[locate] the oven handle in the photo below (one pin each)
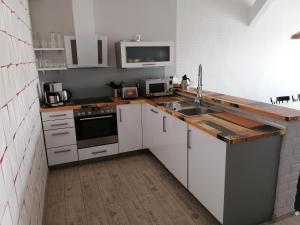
(95, 118)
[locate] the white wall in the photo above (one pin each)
(255, 62)
(154, 20)
(23, 167)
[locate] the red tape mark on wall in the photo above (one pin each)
(18, 39)
(18, 17)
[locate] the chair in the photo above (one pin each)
(282, 99)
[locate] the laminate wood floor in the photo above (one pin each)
(131, 190)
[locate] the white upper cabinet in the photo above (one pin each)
(129, 127)
(86, 51)
(144, 54)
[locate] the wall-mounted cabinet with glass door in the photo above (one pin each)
(144, 54)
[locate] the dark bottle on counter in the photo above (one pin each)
(185, 82)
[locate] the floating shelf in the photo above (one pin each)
(49, 49)
(52, 69)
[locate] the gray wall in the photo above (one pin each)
(92, 82)
(154, 20)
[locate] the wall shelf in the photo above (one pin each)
(49, 49)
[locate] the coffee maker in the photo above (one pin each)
(52, 92)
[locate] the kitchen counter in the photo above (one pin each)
(228, 127)
(71, 106)
(260, 108)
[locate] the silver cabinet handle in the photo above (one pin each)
(152, 110)
(149, 64)
(62, 151)
(189, 139)
(99, 152)
(62, 133)
(58, 115)
(59, 124)
(120, 114)
(164, 124)
(95, 118)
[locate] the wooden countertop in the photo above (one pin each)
(225, 126)
(70, 106)
(260, 108)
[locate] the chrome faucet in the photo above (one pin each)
(199, 87)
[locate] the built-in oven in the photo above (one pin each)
(96, 126)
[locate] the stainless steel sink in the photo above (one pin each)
(189, 107)
(180, 105)
(196, 111)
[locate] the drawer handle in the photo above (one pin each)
(58, 115)
(99, 152)
(62, 151)
(152, 110)
(62, 133)
(59, 124)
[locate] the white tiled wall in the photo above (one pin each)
(23, 167)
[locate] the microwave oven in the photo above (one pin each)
(156, 87)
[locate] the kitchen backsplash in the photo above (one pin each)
(92, 82)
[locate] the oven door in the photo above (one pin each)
(96, 130)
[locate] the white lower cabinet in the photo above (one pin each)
(60, 137)
(62, 155)
(129, 127)
(152, 129)
(96, 152)
(165, 136)
(59, 115)
(58, 124)
(206, 171)
(175, 147)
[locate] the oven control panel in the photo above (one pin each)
(94, 111)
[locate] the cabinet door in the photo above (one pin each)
(206, 173)
(60, 137)
(152, 123)
(146, 125)
(174, 148)
(145, 54)
(130, 127)
(86, 51)
(62, 155)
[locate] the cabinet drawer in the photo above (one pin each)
(58, 124)
(99, 151)
(62, 155)
(60, 115)
(60, 137)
